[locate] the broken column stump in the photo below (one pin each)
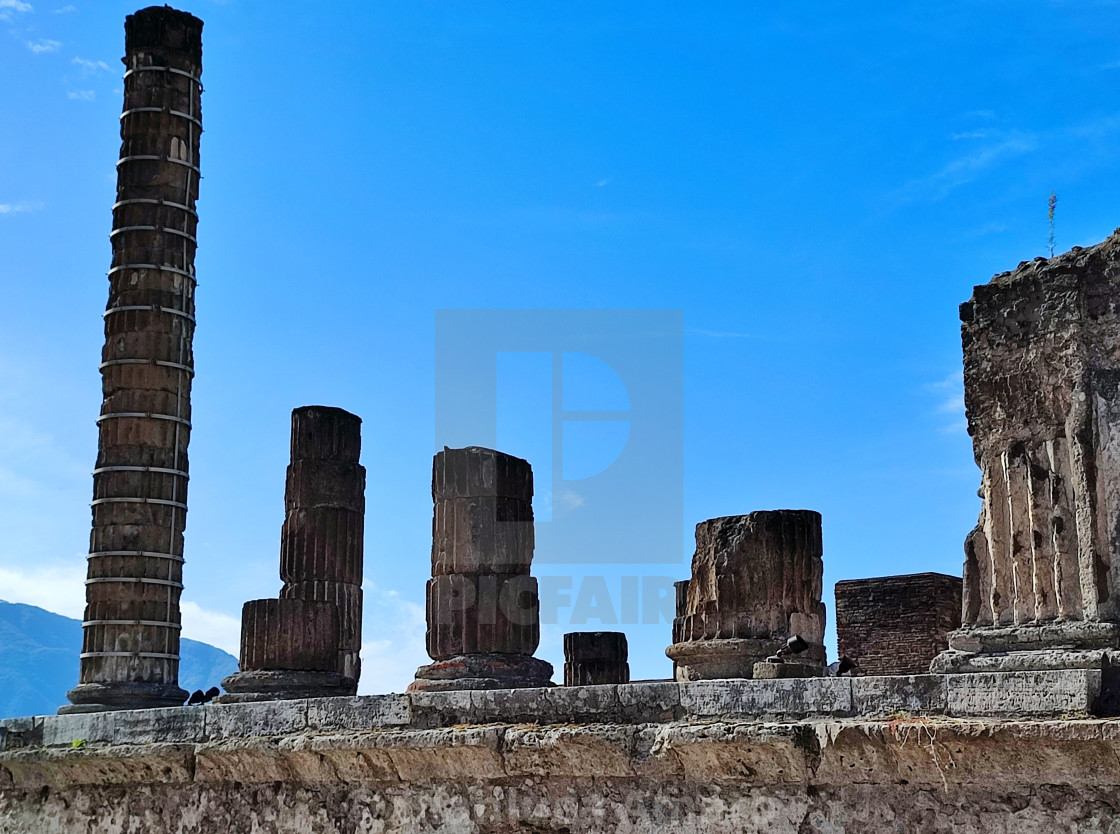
(308, 642)
(756, 580)
(595, 657)
(1042, 394)
(896, 625)
(482, 608)
(130, 642)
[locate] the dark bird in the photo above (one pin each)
(841, 667)
(196, 698)
(211, 693)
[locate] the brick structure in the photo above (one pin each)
(1042, 393)
(130, 648)
(756, 579)
(896, 625)
(308, 642)
(595, 657)
(482, 609)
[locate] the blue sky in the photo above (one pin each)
(815, 186)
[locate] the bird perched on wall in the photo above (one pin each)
(200, 697)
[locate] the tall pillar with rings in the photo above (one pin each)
(130, 647)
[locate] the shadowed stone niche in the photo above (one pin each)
(756, 580)
(595, 657)
(482, 608)
(1042, 393)
(896, 625)
(307, 643)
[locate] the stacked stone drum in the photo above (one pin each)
(482, 608)
(130, 648)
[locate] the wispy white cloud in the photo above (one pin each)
(65, 10)
(603, 182)
(211, 627)
(90, 67)
(965, 169)
(393, 641)
(81, 95)
(19, 208)
(975, 134)
(949, 394)
(721, 334)
(9, 8)
(43, 45)
(60, 588)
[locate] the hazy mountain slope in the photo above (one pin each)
(39, 660)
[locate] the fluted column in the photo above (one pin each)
(595, 657)
(756, 580)
(130, 649)
(308, 643)
(1042, 392)
(482, 607)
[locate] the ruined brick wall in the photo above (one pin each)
(896, 625)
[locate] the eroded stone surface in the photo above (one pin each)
(756, 579)
(1042, 393)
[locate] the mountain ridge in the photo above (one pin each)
(39, 660)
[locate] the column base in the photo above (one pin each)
(1031, 648)
(786, 669)
(109, 697)
(483, 671)
(284, 685)
(701, 660)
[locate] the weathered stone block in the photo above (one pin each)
(756, 580)
(249, 720)
(294, 634)
(370, 711)
(322, 432)
(790, 698)
(595, 657)
(482, 613)
(1056, 693)
(915, 694)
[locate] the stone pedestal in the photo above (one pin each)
(1042, 393)
(130, 643)
(595, 657)
(756, 580)
(766, 671)
(482, 606)
(307, 643)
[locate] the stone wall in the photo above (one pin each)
(896, 625)
(710, 756)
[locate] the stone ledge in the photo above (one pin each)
(921, 752)
(1028, 694)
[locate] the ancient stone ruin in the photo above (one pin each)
(1042, 393)
(595, 657)
(896, 625)
(308, 642)
(482, 608)
(1014, 729)
(756, 580)
(130, 647)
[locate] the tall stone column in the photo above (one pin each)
(756, 580)
(308, 642)
(1042, 394)
(482, 608)
(130, 649)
